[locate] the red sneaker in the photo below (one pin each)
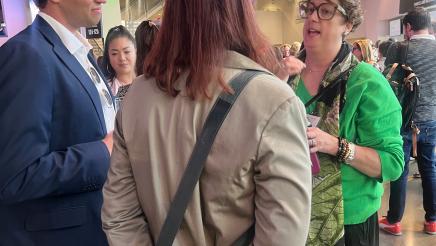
(394, 229)
(430, 227)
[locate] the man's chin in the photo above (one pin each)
(93, 22)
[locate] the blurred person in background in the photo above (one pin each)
(258, 171)
(145, 36)
(421, 57)
(119, 59)
(382, 53)
(278, 53)
(286, 50)
(295, 48)
(357, 139)
(364, 51)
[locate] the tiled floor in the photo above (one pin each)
(413, 218)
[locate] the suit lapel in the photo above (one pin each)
(72, 64)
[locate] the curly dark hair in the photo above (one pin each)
(354, 12)
(40, 3)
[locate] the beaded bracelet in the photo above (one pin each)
(344, 150)
(340, 147)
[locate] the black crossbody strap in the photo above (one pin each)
(198, 157)
(332, 85)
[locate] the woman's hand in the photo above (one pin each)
(320, 141)
(366, 160)
(293, 65)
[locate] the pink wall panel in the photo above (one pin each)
(16, 17)
(388, 9)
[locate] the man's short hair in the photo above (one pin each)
(40, 3)
(418, 19)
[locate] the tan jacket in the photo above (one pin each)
(258, 170)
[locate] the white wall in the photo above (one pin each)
(271, 25)
(16, 13)
(111, 16)
(291, 28)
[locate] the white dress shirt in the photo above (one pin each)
(79, 47)
(423, 36)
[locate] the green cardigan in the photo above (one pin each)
(371, 117)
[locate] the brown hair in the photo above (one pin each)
(145, 35)
(354, 12)
(194, 36)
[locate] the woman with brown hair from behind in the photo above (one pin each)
(258, 170)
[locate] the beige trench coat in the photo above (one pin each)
(258, 170)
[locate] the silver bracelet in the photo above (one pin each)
(352, 154)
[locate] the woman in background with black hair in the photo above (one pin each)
(145, 35)
(119, 59)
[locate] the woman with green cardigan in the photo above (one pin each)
(357, 139)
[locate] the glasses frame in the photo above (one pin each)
(338, 8)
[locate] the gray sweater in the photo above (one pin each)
(421, 57)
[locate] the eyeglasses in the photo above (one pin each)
(325, 11)
(104, 94)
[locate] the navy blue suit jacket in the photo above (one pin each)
(53, 163)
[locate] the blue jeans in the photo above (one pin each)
(427, 168)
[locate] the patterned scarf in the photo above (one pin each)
(327, 219)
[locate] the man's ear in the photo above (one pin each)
(408, 27)
(407, 30)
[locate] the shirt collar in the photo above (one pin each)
(72, 41)
(423, 36)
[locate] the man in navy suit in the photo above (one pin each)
(56, 121)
